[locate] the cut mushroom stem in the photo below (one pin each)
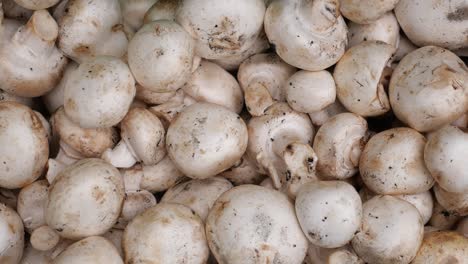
(66, 156)
(122, 156)
(257, 98)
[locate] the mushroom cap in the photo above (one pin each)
(161, 10)
(36, 4)
(161, 55)
(405, 46)
(135, 203)
(89, 142)
(44, 238)
(428, 88)
(392, 163)
(99, 93)
(12, 238)
(25, 149)
(385, 29)
(253, 224)
(85, 199)
(27, 101)
(310, 35)
(221, 28)
(391, 231)
(133, 11)
(310, 92)
(206, 139)
(91, 250)
(366, 11)
(212, 84)
(453, 202)
(53, 100)
(169, 233)
(162, 176)
(433, 22)
(445, 156)
(338, 144)
(329, 212)
(198, 195)
(31, 204)
(151, 97)
(243, 172)
(143, 131)
(422, 201)
(442, 218)
(360, 76)
(442, 247)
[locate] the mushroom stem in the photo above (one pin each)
(319, 14)
(39, 34)
(257, 98)
(132, 178)
(121, 156)
(66, 156)
(167, 111)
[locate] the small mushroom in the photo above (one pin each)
(91, 28)
(329, 212)
(385, 29)
(442, 247)
(428, 88)
(362, 76)
(206, 139)
(338, 144)
(221, 29)
(36, 4)
(152, 98)
(442, 218)
(161, 10)
(198, 195)
(434, 22)
(91, 250)
(445, 156)
(341, 255)
(85, 199)
(31, 64)
(311, 35)
(262, 78)
(405, 46)
(54, 99)
(142, 140)
(453, 202)
(133, 11)
(392, 163)
(99, 93)
(135, 203)
(31, 204)
(12, 238)
(391, 231)
(319, 118)
(24, 147)
(168, 233)
(161, 56)
(115, 237)
(366, 11)
(243, 171)
(253, 224)
(44, 238)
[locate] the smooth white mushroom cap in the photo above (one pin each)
(99, 93)
(422, 201)
(25, 149)
(31, 204)
(442, 247)
(44, 238)
(385, 29)
(133, 11)
(36, 4)
(366, 11)
(54, 99)
(456, 203)
(161, 10)
(91, 250)
(12, 238)
(206, 139)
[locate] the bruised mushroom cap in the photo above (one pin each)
(366, 11)
(385, 29)
(99, 93)
(338, 144)
(221, 28)
(161, 55)
(428, 88)
(198, 195)
(53, 100)
(433, 22)
(91, 250)
(310, 92)
(161, 10)
(262, 78)
(391, 231)
(360, 78)
(92, 28)
(442, 247)
(12, 238)
(329, 212)
(169, 233)
(36, 4)
(392, 163)
(254, 224)
(24, 147)
(89, 142)
(212, 84)
(310, 35)
(445, 154)
(31, 204)
(453, 202)
(85, 199)
(133, 11)
(206, 139)
(31, 65)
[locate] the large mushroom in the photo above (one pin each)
(12, 238)
(366, 11)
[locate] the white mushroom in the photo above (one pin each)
(442, 218)
(405, 46)
(135, 203)
(206, 139)
(99, 93)
(442, 247)
(115, 237)
(25, 149)
(366, 11)
(44, 238)
(168, 233)
(453, 202)
(161, 10)
(133, 11)
(66, 156)
(36, 4)
(12, 238)
(243, 171)
(91, 250)
(92, 28)
(310, 35)
(422, 201)
(385, 29)
(54, 99)
(362, 76)
(221, 28)
(319, 118)
(428, 88)
(169, 110)
(329, 212)
(31, 204)
(253, 224)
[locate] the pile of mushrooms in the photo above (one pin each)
(233, 132)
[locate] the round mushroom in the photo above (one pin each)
(366, 11)
(133, 11)
(44, 238)
(12, 238)
(442, 247)
(31, 204)
(385, 29)
(443, 219)
(456, 203)
(91, 250)
(53, 100)
(36, 4)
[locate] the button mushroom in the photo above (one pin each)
(12, 238)
(366, 11)
(36, 4)
(91, 250)
(44, 238)
(243, 172)
(385, 29)
(442, 247)
(310, 35)
(456, 203)
(31, 204)
(133, 11)
(54, 99)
